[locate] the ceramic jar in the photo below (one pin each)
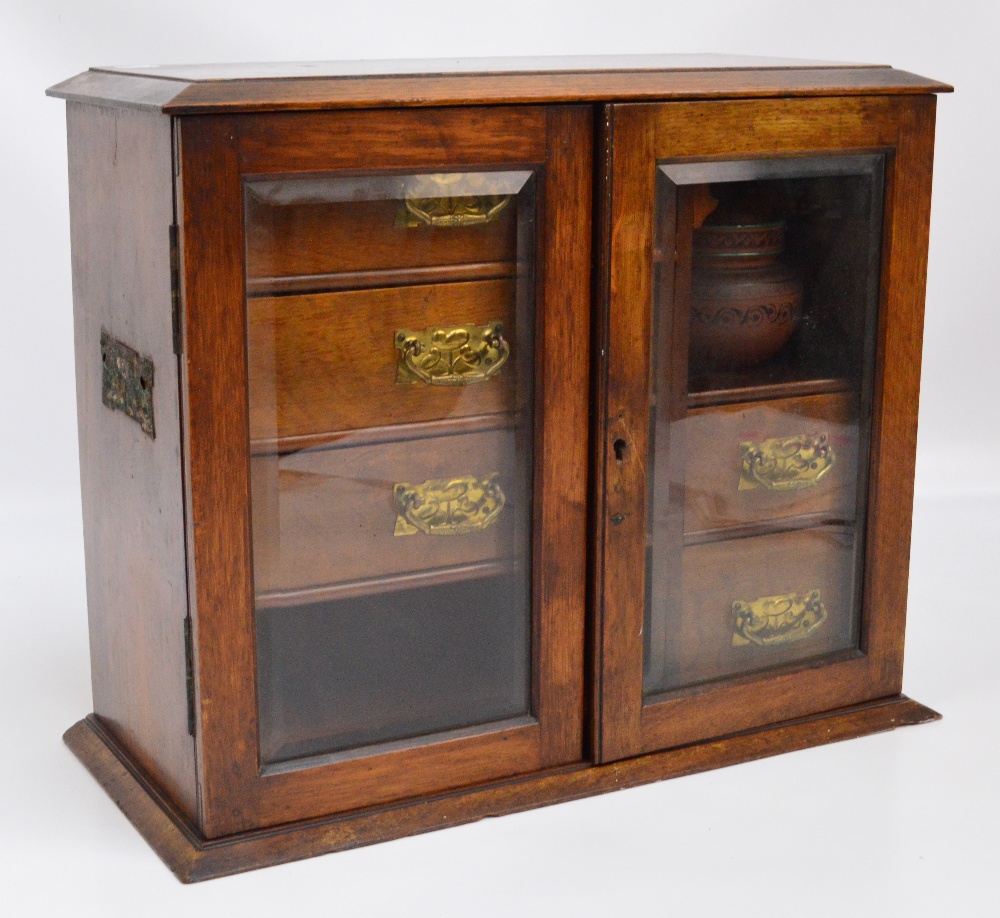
(745, 303)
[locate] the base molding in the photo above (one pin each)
(193, 858)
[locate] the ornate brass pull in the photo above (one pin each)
(777, 619)
(448, 506)
(785, 463)
(426, 207)
(451, 356)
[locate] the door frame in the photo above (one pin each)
(216, 152)
(637, 137)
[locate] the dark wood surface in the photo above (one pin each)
(327, 362)
(121, 208)
(719, 130)
(391, 583)
(712, 438)
(600, 329)
(624, 446)
(897, 390)
(327, 516)
(350, 237)
(562, 454)
(216, 462)
(792, 388)
(215, 154)
(192, 857)
(382, 84)
(714, 575)
(589, 553)
(434, 140)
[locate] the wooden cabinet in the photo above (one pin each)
(456, 443)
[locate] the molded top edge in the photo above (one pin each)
(416, 67)
(197, 88)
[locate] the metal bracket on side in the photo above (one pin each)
(127, 382)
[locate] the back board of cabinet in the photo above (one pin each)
(462, 439)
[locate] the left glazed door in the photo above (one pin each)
(385, 360)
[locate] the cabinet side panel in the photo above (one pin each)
(121, 208)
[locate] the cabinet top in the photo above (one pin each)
(200, 88)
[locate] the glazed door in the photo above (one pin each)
(765, 263)
(388, 488)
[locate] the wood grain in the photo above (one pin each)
(624, 446)
(324, 363)
(342, 237)
(217, 463)
(429, 140)
(351, 589)
(121, 208)
(549, 89)
(511, 81)
(894, 414)
(744, 127)
(382, 277)
(712, 438)
(780, 127)
(216, 155)
(700, 629)
(562, 363)
(193, 858)
(174, 513)
(327, 516)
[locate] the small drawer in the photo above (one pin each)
(321, 363)
(759, 461)
(754, 603)
(342, 515)
(289, 238)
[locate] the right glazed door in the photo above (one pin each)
(761, 369)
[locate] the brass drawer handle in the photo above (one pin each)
(777, 619)
(426, 207)
(455, 356)
(785, 463)
(448, 506)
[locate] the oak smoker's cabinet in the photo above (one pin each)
(454, 443)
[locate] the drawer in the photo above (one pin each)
(334, 516)
(754, 603)
(759, 461)
(329, 362)
(314, 238)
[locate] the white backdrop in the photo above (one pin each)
(900, 824)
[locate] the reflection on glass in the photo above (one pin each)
(762, 347)
(389, 345)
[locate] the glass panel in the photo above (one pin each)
(389, 344)
(766, 290)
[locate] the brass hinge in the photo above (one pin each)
(189, 672)
(175, 287)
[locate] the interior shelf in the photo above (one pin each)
(408, 581)
(740, 390)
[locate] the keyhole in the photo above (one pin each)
(620, 446)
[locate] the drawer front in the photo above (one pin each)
(334, 516)
(309, 238)
(751, 604)
(330, 362)
(760, 461)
